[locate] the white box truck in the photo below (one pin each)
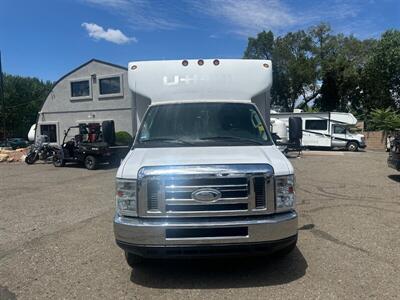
(322, 129)
(203, 176)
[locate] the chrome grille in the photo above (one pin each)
(243, 190)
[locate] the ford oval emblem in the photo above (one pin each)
(206, 195)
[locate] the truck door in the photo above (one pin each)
(339, 136)
(316, 133)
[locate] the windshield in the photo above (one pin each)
(202, 124)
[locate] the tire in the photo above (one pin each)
(115, 161)
(108, 130)
(285, 251)
(90, 162)
(133, 260)
(58, 161)
(352, 146)
(31, 158)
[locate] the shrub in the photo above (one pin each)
(123, 138)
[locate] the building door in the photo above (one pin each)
(339, 136)
(50, 130)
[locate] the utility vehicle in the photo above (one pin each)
(91, 145)
(203, 176)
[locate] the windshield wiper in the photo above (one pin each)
(232, 138)
(167, 140)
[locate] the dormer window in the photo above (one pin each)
(81, 89)
(110, 86)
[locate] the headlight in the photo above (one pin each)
(285, 199)
(125, 196)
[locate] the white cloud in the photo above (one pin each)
(111, 35)
(142, 14)
(247, 17)
(240, 17)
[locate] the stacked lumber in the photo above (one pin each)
(9, 155)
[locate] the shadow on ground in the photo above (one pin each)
(220, 273)
(394, 177)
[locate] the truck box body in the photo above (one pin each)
(203, 172)
(155, 82)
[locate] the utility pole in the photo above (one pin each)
(3, 101)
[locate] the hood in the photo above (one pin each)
(355, 135)
(141, 157)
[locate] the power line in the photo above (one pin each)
(24, 103)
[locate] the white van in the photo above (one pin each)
(203, 176)
(322, 129)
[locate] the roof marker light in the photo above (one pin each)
(134, 67)
(216, 62)
(266, 66)
(200, 62)
(185, 63)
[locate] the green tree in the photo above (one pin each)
(341, 74)
(293, 66)
(24, 97)
(381, 76)
(384, 119)
(260, 47)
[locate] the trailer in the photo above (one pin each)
(321, 130)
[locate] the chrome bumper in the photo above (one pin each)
(153, 232)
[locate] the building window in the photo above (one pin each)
(317, 124)
(50, 131)
(81, 89)
(110, 86)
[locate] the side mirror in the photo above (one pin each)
(295, 130)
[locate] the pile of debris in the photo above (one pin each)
(9, 155)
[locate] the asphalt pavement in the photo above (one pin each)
(56, 239)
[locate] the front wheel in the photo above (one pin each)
(90, 162)
(58, 161)
(352, 146)
(133, 259)
(31, 158)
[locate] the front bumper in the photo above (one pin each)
(139, 234)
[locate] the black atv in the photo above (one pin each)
(94, 144)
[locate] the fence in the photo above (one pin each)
(375, 140)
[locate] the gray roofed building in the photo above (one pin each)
(91, 93)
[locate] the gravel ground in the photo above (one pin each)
(56, 239)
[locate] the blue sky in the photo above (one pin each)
(48, 38)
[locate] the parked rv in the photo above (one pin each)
(204, 176)
(322, 130)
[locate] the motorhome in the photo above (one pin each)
(322, 129)
(203, 176)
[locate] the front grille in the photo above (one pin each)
(175, 194)
(259, 190)
(152, 194)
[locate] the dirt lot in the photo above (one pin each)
(56, 239)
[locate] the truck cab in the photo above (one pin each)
(203, 176)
